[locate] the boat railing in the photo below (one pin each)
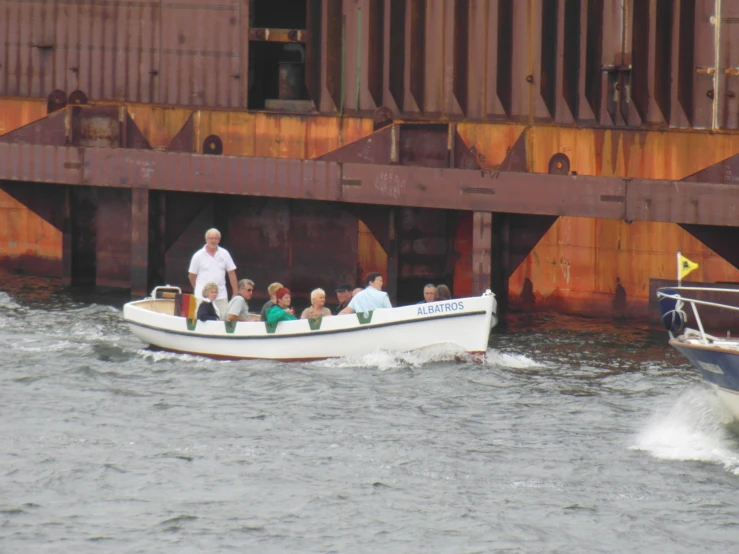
(165, 291)
(673, 316)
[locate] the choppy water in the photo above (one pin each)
(574, 436)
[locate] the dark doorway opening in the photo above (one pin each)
(277, 56)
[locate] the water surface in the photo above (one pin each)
(575, 435)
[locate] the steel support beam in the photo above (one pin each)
(390, 185)
(392, 257)
(139, 242)
(500, 261)
(482, 239)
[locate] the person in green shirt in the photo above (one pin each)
(281, 311)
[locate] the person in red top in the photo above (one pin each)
(281, 311)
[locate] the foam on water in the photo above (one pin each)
(162, 356)
(495, 358)
(691, 428)
(7, 302)
(386, 360)
(46, 346)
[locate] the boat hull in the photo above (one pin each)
(718, 367)
(465, 323)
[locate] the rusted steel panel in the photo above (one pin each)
(113, 238)
(395, 17)
(521, 62)
(43, 164)
(650, 71)
(546, 68)
(15, 113)
(417, 52)
(313, 265)
(665, 16)
(323, 54)
(51, 130)
(482, 243)
(728, 64)
(375, 47)
(486, 191)
(595, 83)
(569, 41)
(504, 54)
(704, 61)
(459, 54)
(685, 63)
(480, 65)
(423, 145)
(138, 240)
(201, 48)
(363, 55)
(437, 34)
(726, 172)
(642, 79)
(492, 43)
(31, 221)
(615, 62)
(370, 254)
(534, 193)
(188, 53)
(715, 204)
(184, 140)
(375, 149)
(516, 159)
(213, 174)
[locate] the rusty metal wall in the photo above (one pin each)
(189, 52)
(31, 240)
(663, 63)
(604, 62)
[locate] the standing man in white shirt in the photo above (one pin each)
(210, 265)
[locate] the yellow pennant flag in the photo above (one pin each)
(685, 265)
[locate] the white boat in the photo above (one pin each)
(716, 358)
(464, 322)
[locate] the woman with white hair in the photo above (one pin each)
(208, 310)
(317, 306)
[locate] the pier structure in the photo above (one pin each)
(558, 151)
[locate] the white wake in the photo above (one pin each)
(694, 427)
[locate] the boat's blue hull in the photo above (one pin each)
(717, 366)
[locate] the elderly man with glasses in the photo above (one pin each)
(238, 309)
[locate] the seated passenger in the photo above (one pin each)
(371, 298)
(208, 311)
(343, 294)
(443, 293)
(271, 290)
(238, 309)
(281, 311)
(317, 307)
(429, 294)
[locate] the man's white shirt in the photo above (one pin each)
(211, 269)
(370, 299)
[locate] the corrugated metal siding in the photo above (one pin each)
(186, 52)
(606, 62)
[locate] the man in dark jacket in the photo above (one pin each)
(344, 295)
